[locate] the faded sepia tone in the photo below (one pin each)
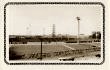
(55, 32)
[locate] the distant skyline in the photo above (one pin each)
(39, 19)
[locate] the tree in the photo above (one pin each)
(96, 35)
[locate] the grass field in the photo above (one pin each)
(27, 49)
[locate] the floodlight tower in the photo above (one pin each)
(78, 37)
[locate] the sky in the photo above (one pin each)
(39, 19)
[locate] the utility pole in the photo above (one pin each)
(28, 29)
(53, 31)
(78, 37)
(41, 50)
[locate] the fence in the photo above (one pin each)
(61, 53)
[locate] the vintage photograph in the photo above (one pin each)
(54, 32)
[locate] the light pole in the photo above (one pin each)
(78, 37)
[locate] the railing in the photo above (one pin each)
(61, 53)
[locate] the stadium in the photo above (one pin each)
(44, 32)
(55, 47)
(64, 48)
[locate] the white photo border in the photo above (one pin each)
(43, 63)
